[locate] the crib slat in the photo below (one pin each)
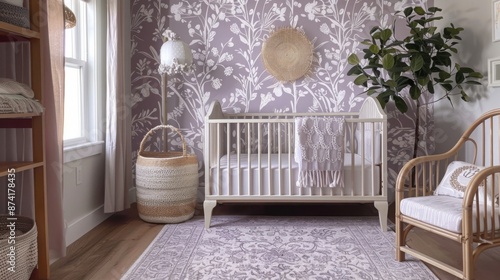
(249, 161)
(219, 174)
(228, 155)
(238, 159)
(372, 150)
(279, 161)
(290, 178)
(269, 150)
(363, 152)
(259, 158)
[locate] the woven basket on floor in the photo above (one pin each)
(166, 183)
(25, 256)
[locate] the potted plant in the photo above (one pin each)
(412, 66)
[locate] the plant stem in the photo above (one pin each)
(417, 126)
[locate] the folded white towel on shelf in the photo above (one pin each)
(319, 151)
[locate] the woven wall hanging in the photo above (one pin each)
(287, 54)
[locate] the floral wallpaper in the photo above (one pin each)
(226, 38)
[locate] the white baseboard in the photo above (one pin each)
(86, 223)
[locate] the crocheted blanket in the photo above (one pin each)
(319, 151)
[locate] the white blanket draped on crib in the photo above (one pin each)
(319, 151)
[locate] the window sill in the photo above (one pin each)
(82, 151)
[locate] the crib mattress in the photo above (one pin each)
(441, 211)
(276, 174)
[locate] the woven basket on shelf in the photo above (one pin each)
(166, 183)
(26, 249)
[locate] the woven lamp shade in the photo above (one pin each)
(287, 54)
(69, 18)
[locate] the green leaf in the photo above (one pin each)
(443, 75)
(447, 86)
(355, 70)
(400, 104)
(434, 19)
(408, 11)
(382, 100)
(391, 83)
(388, 61)
(442, 58)
(423, 81)
(360, 80)
(416, 63)
(353, 59)
(474, 83)
(385, 34)
(403, 82)
(459, 77)
(367, 42)
(415, 92)
(372, 90)
(475, 75)
(430, 87)
(374, 49)
(413, 46)
(466, 70)
(385, 97)
(464, 96)
(420, 11)
(434, 9)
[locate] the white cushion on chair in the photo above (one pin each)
(441, 211)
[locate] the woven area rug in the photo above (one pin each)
(268, 247)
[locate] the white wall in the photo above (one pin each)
(474, 51)
(83, 200)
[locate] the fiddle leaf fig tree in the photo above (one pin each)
(415, 65)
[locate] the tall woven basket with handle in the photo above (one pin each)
(166, 182)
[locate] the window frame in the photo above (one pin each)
(92, 63)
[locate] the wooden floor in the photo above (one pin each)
(106, 252)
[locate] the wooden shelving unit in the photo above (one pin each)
(9, 32)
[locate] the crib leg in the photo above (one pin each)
(382, 207)
(208, 206)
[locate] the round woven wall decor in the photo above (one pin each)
(287, 54)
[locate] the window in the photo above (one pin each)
(84, 78)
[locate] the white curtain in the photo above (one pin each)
(52, 49)
(118, 108)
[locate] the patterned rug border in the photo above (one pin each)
(221, 221)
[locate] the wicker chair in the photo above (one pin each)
(472, 220)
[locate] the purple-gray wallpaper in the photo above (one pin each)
(226, 38)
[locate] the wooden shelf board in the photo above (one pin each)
(10, 29)
(18, 166)
(18, 116)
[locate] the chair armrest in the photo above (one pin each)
(492, 176)
(480, 210)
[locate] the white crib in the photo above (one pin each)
(249, 158)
